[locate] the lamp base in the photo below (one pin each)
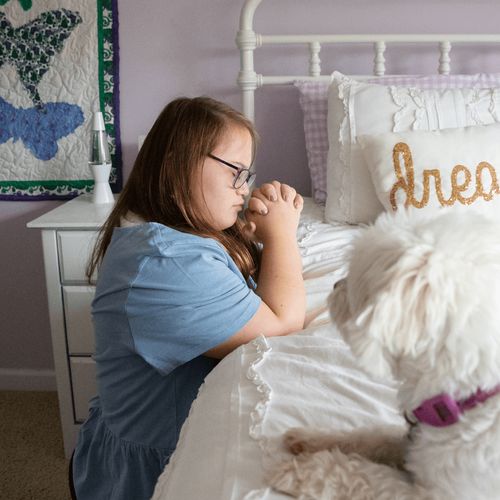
(102, 190)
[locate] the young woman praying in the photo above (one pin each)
(182, 281)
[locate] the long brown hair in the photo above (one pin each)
(159, 186)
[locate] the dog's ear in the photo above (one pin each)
(406, 316)
(355, 330)
(369, 347)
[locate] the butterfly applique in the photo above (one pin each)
(31, 47)
(39, 129)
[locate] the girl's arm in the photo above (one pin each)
(280, 286)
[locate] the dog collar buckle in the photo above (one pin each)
(443, 410)
(439, 411)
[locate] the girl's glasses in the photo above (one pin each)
(243, 174)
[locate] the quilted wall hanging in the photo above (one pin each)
(58, 64)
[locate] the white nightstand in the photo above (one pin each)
(68, 235)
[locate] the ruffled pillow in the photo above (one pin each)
(356, 108)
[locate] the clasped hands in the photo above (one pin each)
(273, 210)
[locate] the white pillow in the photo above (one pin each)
(356, 108)
(427, 171)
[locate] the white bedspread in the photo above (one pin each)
(255, 394)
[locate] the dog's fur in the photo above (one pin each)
(420, 304)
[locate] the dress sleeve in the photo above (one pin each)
(186, 301)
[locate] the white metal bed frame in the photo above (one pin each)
(248, 41)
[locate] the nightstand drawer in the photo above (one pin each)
(83, 378)
(79, 327)
(75, 248)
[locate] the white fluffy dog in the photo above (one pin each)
(420, 304)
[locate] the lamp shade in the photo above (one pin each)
(100, 161)
(99, 148)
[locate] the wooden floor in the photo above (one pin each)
(32, 463)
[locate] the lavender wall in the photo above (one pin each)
(186, 47)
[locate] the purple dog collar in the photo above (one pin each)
(443, 410)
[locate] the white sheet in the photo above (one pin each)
(255, 394)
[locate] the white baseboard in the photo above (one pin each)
(27, 380)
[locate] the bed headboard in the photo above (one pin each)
(248, 41)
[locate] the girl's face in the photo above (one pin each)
(213, 192)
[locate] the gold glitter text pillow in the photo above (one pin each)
(429, 170)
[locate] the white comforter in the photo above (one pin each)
(255, 394)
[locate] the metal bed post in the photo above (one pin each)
(247, 41)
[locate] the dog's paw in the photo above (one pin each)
(299, 441)
(296, 441)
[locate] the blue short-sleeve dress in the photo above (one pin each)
(163, 298)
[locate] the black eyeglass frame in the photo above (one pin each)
(250, 176)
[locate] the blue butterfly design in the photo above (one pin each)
(39, 129)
